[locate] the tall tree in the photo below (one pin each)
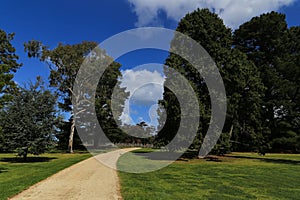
(64, 62)
(29, 120)
(286, 134)
(244, 91)
(274, 49)
(240, 76)
(108, 86)
(207, 29)
(8, 66)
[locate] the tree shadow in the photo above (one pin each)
(270, 160)
(28, 160)
(167, 155)
(190, 154)
(3, 169)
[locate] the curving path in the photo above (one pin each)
(87, 180)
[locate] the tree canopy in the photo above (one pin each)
(260, 69)
(29, 120)
(259, 63)
(64, 62)
(8, 65)
(274, 48)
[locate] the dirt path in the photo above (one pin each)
(87, 180)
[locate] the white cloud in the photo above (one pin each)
(145, 88)
(233, 12)
(147, 94)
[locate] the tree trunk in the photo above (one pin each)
(25, 153)
(70, 145)
(230, 131)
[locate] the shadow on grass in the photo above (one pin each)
(152, 155)
(28, 160)
(66, 152)
(190, 154)
(270, 160)
(2, 169)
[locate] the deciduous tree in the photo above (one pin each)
(64, 62)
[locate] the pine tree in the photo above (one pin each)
(8, 66)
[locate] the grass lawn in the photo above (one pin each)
(237, 176)
(16, 176)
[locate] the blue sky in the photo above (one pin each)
(73, 21)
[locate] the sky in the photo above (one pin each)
(73, 21)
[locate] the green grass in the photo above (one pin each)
(238, 176)
(16, 175)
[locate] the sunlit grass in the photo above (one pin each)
(238, 176)
(16, 175)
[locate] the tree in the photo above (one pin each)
(286, 135)
(207, 29)
(274, 49)
(2, 145)
(29, 120)
(244, 91)
(110, 95)
(241, 79)
(64, 62)
(8, 66)
(168, 126)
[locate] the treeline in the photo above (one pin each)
(32, 116)
(259, 63)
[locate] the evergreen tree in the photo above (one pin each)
(29, 120)
(241, 79)
(274, 49)
(8, 66)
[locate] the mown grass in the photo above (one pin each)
(16, 175)
(237, 176)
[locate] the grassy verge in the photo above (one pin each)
(238, 176)
(16, 175)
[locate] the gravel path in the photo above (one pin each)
(87, 180)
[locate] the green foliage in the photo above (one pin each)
(28, 120)
(2, 146)
(110, 85)
(244, 88)
(140, 133)
(8, 66)
(286, 144)
(169, 127)
(64, 62)
(259, 64)
(223, 145)
(63, 134)
(275, 50)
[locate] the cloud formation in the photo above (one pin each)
(145, 89)
(233, 12)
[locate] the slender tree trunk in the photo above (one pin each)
(70, 145)
(230, 131)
